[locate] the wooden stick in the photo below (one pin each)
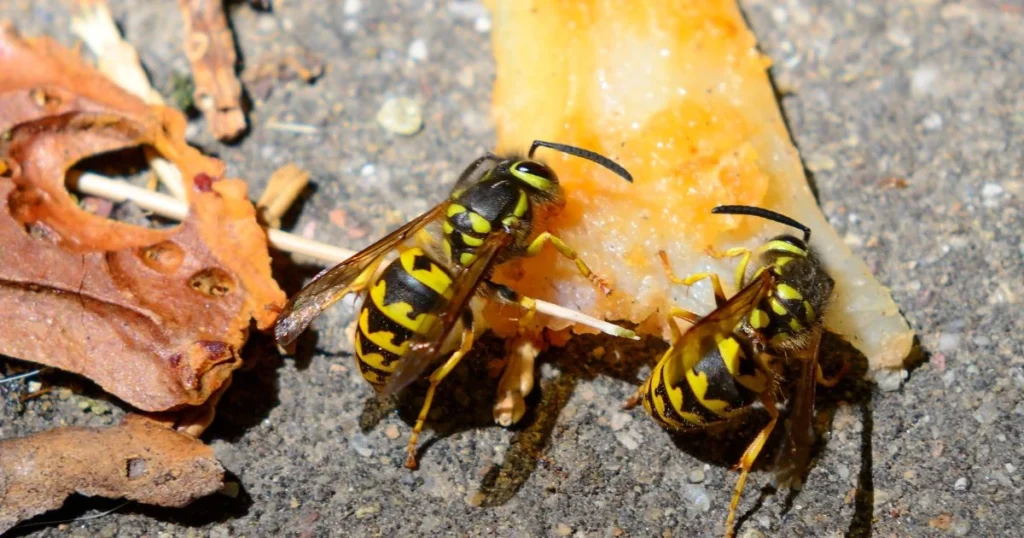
(118, 60)
(167, 207)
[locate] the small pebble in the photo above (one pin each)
(294, 503)
(352, 7)
(401, 115)
(962, 484)
(359, 443)
(922, 79)
(476, 498)
(627, 440)
(619, 420)
(987, 413)
(961, 527)
(563, 530)
(391, 431)
(696, 476)
(752, 533)
(697, 495)
(932, 121)
(418, 50)
(34, 386)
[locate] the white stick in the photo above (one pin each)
(118, 60)
(167, 207)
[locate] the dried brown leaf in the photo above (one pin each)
(155, 317)
(138, 460)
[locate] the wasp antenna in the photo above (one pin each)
(586, 154)
(764, 214)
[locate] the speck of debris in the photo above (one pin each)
(418, 50)
(401, 115)
(391, 431)
(820, 163)
(476, 498)
(962, 484)
(367, 510)
(696, 476)
(563, 530)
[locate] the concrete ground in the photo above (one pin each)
(910, 116)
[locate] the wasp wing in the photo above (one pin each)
(424, 347)
(722, 320)
(792, 459)
(332, 284)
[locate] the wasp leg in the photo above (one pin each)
(748, 459)
(834, 380)
(716, 283)
(506, 295)
(741, 268)
(568, 252)
(435, 379)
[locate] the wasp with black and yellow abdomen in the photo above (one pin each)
(734, 357)
(416, 301)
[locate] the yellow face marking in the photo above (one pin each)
(758, 318)
(808, 311)
(455, 209)
(782, 261)
(795, 325)
(383, 339)
(777, 306)
(479, 224)
(731, 355)
(511, 222)
(522, 205)
(536, 182)
(699, 384)
(471, 241)
(397, 312)
(466, 258)
(785, 291)
(447, 227)
(784, 247)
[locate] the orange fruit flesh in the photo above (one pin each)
(677, 92)
(641, 83)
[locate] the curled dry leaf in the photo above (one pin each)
(136, 460)
(678, 93)
(210, 48)
(155, 317)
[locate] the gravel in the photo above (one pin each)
(927, 92)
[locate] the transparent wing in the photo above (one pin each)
(795, 454)
(333, 284)
(425, 347)
(722, 320)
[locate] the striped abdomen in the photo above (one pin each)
(403, 301)
(725, 379)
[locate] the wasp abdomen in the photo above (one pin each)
(401, 302)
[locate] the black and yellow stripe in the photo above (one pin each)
(403, 301)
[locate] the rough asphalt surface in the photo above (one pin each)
(911, 119)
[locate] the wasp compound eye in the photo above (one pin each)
(536, 174)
